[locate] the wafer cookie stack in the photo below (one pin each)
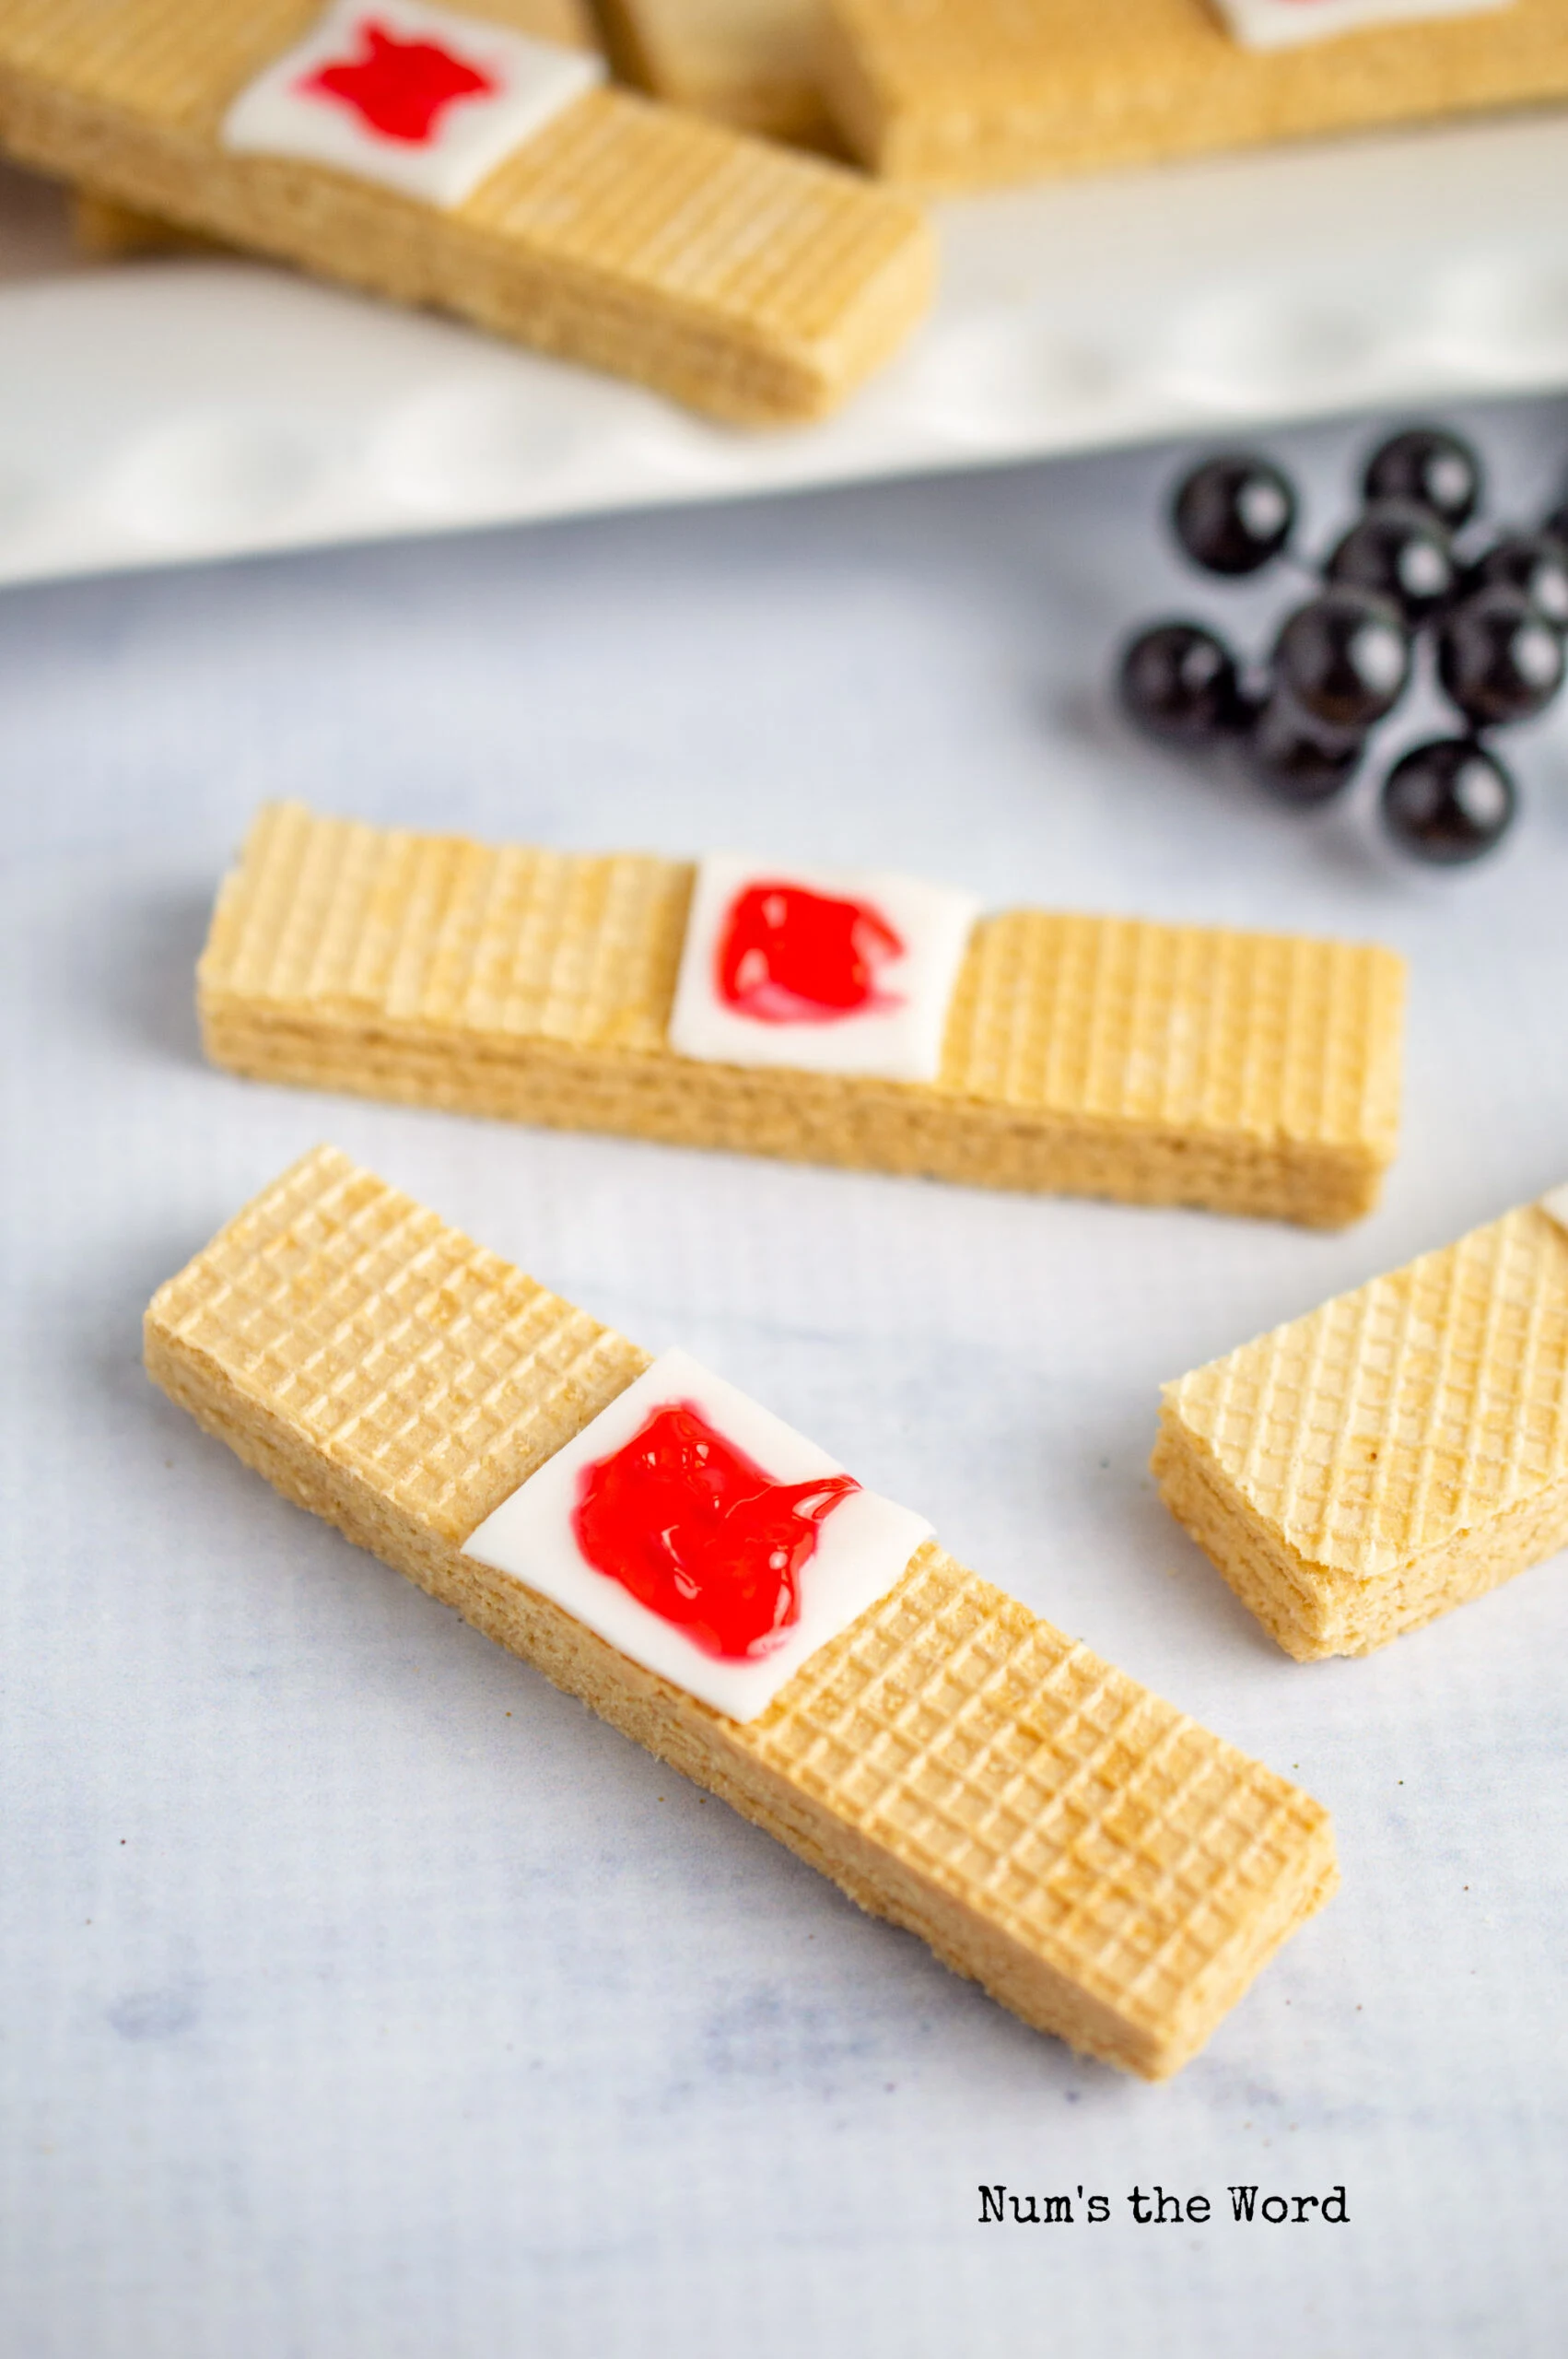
(755, 284)
(1363, 1469)
(1105, 1868)
(750, 63)
(957, 94)
(1101, 1056)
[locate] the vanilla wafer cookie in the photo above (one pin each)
(750, 63)
(1363, 1469)
(1100, 1056)
(754, 283)
(1105, 1868)
(968, 93)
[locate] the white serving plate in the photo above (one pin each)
(158, 411)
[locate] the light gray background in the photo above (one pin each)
(363, 1995)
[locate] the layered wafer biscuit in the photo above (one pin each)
(1105, 1868)
(969, 93)
(750, 63)
(1405, 1448)
(754, 283)
(1109, 1057)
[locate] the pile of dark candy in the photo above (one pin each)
(1493, 613)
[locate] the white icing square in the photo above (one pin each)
(904, 940)
(1285, 24)
(863, 1542)
(419, 98)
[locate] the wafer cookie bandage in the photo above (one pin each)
(1108, 1870)
(1360, 1471)
(963, 93)
(1103, 1056)
(458, 158)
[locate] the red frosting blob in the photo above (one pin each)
(399, 87)
(699, 1534)
(788, 956)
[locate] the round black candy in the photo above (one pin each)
(1295, 757)
(1447, 801)
(1429, 465)
(1398, 550)
(1497, 657)
(1234, 514)
(1178, 681)
(1344, 658)
(1536, 563)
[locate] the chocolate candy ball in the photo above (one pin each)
(1449, 801)
(1294, 757)
(1428, 464)
(1177, 681)
(1399, 551)
(1498, 659)
(1536, 563)
(1234, 514)
(1344, 658)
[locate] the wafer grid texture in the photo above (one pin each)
(748, 281)
(1105, 1867)
(1164, 1065)
(962, 93)
(750, 63)
(1363, 1469)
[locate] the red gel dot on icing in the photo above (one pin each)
(788, 956)
(399, 87)
(699, 1534)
